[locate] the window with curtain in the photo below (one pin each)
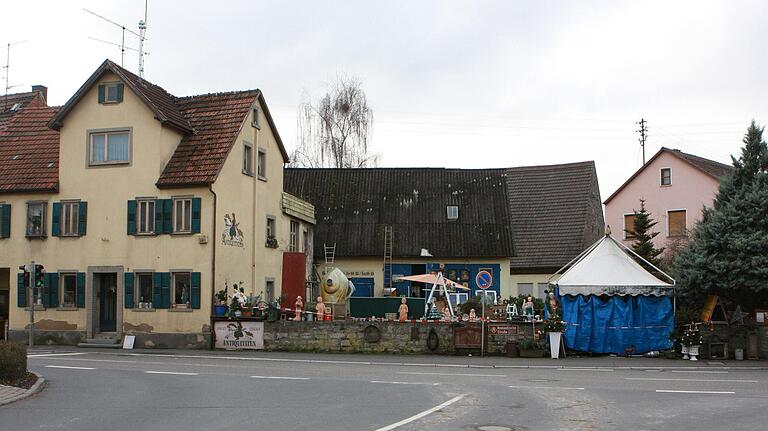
(111, 147)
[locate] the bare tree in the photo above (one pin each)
(334, 131)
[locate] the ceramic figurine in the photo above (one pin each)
(447, 314)
(553, 303)
(299, 307)
(403, 310)
(528, 307)
(320, 307)
(472, 315)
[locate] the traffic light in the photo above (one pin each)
(26, 274)
(39, 276)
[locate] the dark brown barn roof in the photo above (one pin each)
(555, 213)
(712, 168)
(540, 216)
(29, 152)
(13, 103)
(353, 205)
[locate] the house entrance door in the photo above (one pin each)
(107, 302)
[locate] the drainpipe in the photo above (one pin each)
(213, 265)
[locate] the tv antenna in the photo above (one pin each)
(7, 68)
(141, 35)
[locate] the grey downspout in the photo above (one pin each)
(213, 266)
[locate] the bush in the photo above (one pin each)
(13, 360)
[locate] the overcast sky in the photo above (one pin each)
(462, 84)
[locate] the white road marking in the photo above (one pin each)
(605, 370)
(690, 380)
(280, 378)
(669, 391)
(546, 387)
(69, 368)
(405, 383)
(422, 414)
(48, 355)
(453, 374)
(700, 372)
(171, 373)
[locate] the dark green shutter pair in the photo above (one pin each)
(51, 290)
(163, 216)
(103, 93)
(21, 292)
(5, 220)
(82, 219)
(161, 290)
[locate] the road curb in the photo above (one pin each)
(35, 389)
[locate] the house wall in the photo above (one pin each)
(691, 189)
(374, 267)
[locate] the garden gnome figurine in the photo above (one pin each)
(472, 315)
(528, 307)
(320, 307)
(403, 310)
(299, 307)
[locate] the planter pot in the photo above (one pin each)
(238, 313)
(273, 314)
(247, 313)
(738, 354)
(554, 344)
(531, 353)
(220, 310)
(684, 351)
(693, 351)
(310, 317)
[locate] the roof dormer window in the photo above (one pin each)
(453, 212)
(111, 92)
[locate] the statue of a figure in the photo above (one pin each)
(320, 307)
(299, 307)
(403, 310)
(472, 315)
(447, 314)
(552, 304)
(528, 307)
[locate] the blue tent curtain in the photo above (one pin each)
(613, 324)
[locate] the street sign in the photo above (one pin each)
(484, 279)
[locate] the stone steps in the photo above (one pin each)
(103, 343)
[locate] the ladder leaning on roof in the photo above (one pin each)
(330, 256)
(389, 239)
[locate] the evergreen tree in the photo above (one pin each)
(643, 236)
(728, 254)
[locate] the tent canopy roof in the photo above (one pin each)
(607, 268)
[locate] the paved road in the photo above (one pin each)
(136, 391)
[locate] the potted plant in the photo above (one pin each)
(234, 307)
(310, 308)
(220, 309)
(692, 339)
(273, 311)
(247, 309)
(554, 328)
(530, 348)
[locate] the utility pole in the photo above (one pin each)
(643, 130)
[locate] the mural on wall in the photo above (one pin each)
(336, 287)
(232, 235)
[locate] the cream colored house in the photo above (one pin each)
(141, 205)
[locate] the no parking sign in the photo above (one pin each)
(484, 279)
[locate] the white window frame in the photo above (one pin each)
(271, 227)
(452, 212)
(44, 221)
(520, 292)
(145, 215)
(107, 133)
(137, 288)
(255, 119)
(293, 236)
(186, 208)
(686, 221)
(261, 164)
(661, 176)
(624, 224)
(247, 158)
(107, 87)
(479, 292)
(70, 217)
(188, 304)
(269, 289)
(62, 293)
(458, 298)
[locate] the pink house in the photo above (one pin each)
(675, 186)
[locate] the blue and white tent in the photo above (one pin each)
(610, 303)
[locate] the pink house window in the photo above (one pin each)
(666, 176)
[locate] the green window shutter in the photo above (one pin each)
(120, 92)
(21, 295)
(165, 289)
(82, 215)
(195, 294)
(56, 219)
(157, 297)
(5, 217)
(46, 291)
(80, 290)
(102, 89)
(52, 285)
(196, 206)
(158, 216)
(131, 217)
(128, 284)
(167, 215)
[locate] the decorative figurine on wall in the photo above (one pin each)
(552, 304)
(447, 314)
(299, 307)
(528, 307)
(403, 310)
(320, 308)
(472, 315)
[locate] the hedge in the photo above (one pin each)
(13, 360)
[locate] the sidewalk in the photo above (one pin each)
(9, 394)
(431, 360)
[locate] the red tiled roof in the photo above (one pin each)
(29, 152)
(17, 101)
(216, 119)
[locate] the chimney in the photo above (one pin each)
(42, 89)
